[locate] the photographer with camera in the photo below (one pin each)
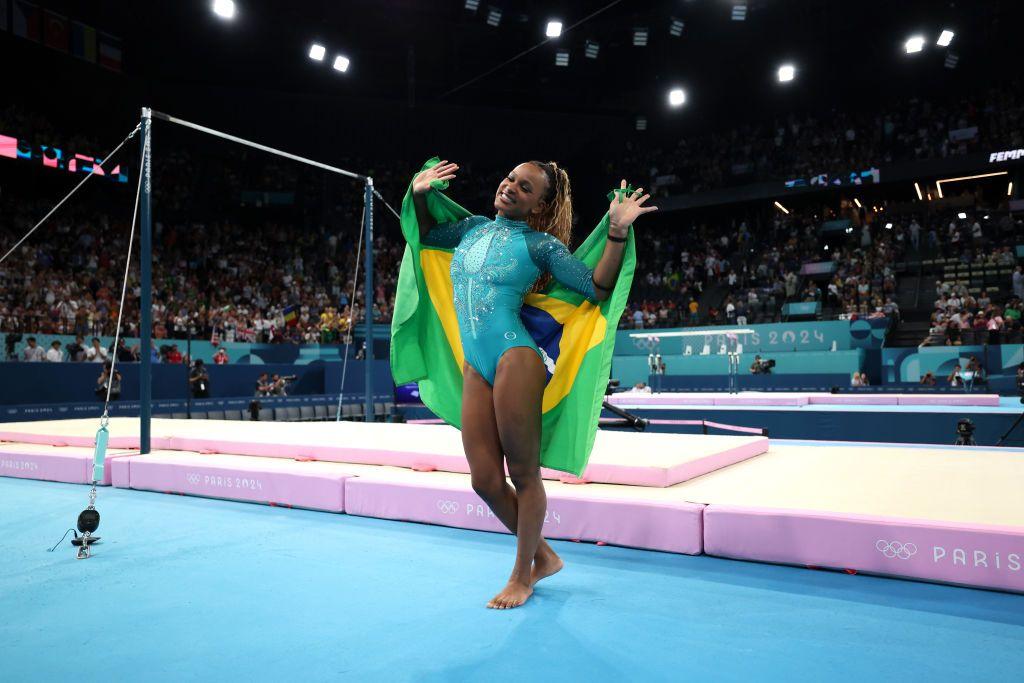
(104, 379)
(263, 385)
(199, 380)
(279, 384)
(761, 366)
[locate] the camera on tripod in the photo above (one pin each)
(965, 432)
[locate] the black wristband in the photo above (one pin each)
(599, 286)
(613, 238)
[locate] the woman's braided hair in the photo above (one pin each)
(557, 215)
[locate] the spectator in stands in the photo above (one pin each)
(33, 353)
(221, 357)
(199, 380)
(928, 379)
(955, 378)
(125, 354)
(857, 380)
(1017, 280)
(96, 353)
(76, 349)
(174, 355)
(105, 379)
(54, 354)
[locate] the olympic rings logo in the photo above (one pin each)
(448, 507)
(891, 549)
(192, 478)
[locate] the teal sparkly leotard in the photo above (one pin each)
(494, 264)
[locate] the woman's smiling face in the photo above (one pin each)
(522, 192)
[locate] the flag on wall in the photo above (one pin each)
(55, 31)
(109, 52)
(83, 41)
(26, 20)
(577, 334)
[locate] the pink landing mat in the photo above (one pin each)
(574, 513)
(70, 464)
(313, 485)
(638, 459)
(979, 555)
(753, 398)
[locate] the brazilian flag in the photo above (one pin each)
(578, 335)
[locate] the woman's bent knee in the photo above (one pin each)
(525, 478)
(488, 486)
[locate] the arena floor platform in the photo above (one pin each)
(932, 513)
(893, 418)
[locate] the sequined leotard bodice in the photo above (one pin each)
(494, 264)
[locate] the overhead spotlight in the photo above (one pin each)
(554, 29)
(224, 8)
(677, 97)
(781, 208)
(317, 52)
(341, 63)
(1009, 189)
(739, 12)
(951, 60)
(945, 38)
(676, 27)
(591, 49)
(786, 73)
(640, 36)
(914, 44)
(562, 58)
(961, 215)
(888, 226)
(857, 202)
(641, 123)
(918, 188)
(472, 5)
(826, 247)
(493, 16)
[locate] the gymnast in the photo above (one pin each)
(494, 265)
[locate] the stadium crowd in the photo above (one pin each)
(843, 141)
(251, 249)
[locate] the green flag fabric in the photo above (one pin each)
(577, 334)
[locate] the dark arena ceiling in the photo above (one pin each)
(437, 62)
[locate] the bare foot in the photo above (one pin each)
(513, 595)
(544, 565)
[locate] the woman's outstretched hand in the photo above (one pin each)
(626, 208)
(442, 171)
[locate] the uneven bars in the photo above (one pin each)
(242, 141)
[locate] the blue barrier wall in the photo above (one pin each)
(772, 338)
(238, 352)
(909, 364)
(633, 369)
(22, 383)
(165, 407)
(748, 382)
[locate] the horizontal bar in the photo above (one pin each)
(242, 141)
